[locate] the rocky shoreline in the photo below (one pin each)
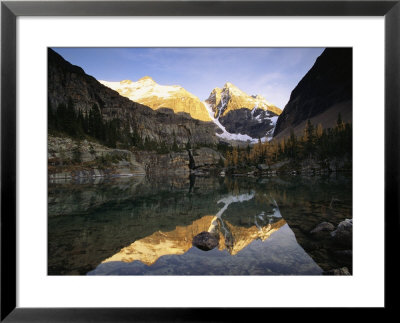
(70, 159)
(305, 168)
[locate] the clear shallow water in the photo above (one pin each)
(133, 226)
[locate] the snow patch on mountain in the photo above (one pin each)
(143, 88)
(227, 201)
(146, 91)
(254, 109)
(274, 120)
(228, 103)
(225, 134)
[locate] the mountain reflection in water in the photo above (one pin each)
(178, 241)
(140, 227)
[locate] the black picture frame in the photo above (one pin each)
(10, 10)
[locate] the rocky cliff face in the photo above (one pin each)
(149, 93)
(204, 157)
(160, 165)
(256, 124)
(240, 113)
(72, 160)
(235, 111)
(178, 163)
(66, 81)
(230, 98)
(327, 84)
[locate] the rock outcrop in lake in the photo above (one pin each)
(337, 272)
(343, 235)
(205, 241)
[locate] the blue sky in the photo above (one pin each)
(271, 72)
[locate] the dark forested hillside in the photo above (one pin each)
(327, 84)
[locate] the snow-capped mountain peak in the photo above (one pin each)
(241, 116)
(230, 97)
(146, 91)
(145, 78)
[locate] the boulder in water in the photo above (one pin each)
(205, 241)
(344, 233)
(324, 226)
(337, 272)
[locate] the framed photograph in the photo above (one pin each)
(162, 158)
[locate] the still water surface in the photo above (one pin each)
(136, 226)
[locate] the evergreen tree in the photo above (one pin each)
(51, 118)
(235, 156)
(228, 159)
(309, 139)
(339, 123)
(319, 130)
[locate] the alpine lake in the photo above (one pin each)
(142, 226)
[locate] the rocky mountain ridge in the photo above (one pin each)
(328, 84)
(171, 115)
(239, 116)
(146, 91)
(69, 83)
(230, 98)
(235, 112)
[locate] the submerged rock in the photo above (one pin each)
(337, 271)
(262, 167)
(344, 233)
(344, 253)
(205, 241)
(323, 227)
(278, 166)
(199, 172)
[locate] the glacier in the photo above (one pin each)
(237, 136)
